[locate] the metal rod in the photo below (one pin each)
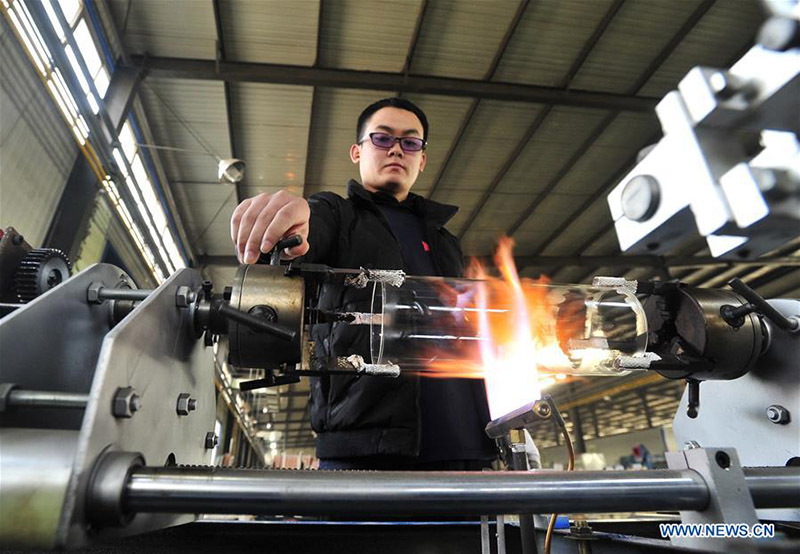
(217, 490)
(123, 294)
(763, 306)
(237, 491)
(47, 399)
(257, 323)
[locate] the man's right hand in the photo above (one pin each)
(258, 223)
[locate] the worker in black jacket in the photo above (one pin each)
(374, 422)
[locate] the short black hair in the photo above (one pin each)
(393, 102)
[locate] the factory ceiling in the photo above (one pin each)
(537, 108)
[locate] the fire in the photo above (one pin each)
(521, 333)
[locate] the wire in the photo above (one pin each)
(548, 538)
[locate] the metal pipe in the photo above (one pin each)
(237, 491)
(123, 294)
(774, 487)
(47, 399)
(216, 490)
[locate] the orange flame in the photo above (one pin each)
(520, 334)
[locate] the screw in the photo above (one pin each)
(722, 459)
(211, 440)
(691, 445)
(185, 404)
(126, 402)
(16, 240)
(542, 409)
(778, 414)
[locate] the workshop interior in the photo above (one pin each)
(628, 177)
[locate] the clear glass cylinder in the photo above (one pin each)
(465, 327)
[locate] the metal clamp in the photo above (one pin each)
(730, 499)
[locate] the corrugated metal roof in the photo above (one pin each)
(494, 131)
(728, 28)
(541, 52)
(270, 32)
(460, 38)
(178, 28)
(272, 123)
(367, 34)
(636, 35)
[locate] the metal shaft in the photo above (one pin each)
(215, 490)
(237, 491)
(123, 294)
(47, 399)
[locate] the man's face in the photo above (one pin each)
(390, 169)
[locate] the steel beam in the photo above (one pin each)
(237, 72)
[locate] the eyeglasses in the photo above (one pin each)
(386, 141)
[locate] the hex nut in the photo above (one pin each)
(185, 404)
(184, 296)
(211, 440)
(126, 402)
(93, 293)
(778, 415)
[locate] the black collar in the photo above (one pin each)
(435, 212)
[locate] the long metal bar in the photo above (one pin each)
(135, 295)
(179, 68)
(223, 490)
(47, 399)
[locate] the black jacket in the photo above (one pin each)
(355, 416)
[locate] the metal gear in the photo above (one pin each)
(40, 270)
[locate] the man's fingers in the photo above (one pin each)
(236, 218)
(288, 217)
(253, 245)
(260, 208)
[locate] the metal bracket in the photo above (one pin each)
(730, 500)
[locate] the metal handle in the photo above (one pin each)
(275, 254)
(256, 323)
(763, 307)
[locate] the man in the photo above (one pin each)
(374, 422)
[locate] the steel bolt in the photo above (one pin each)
(778, 414)
(186, 404)
(211, 440)
(126, 402)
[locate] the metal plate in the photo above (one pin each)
(154, 351)
(52, 344)
(734, 413)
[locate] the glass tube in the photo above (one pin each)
(460, 327)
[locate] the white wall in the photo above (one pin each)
(37, 150)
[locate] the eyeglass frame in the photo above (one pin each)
(396, 141)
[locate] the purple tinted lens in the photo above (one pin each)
(382, 140)
(411, 144)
